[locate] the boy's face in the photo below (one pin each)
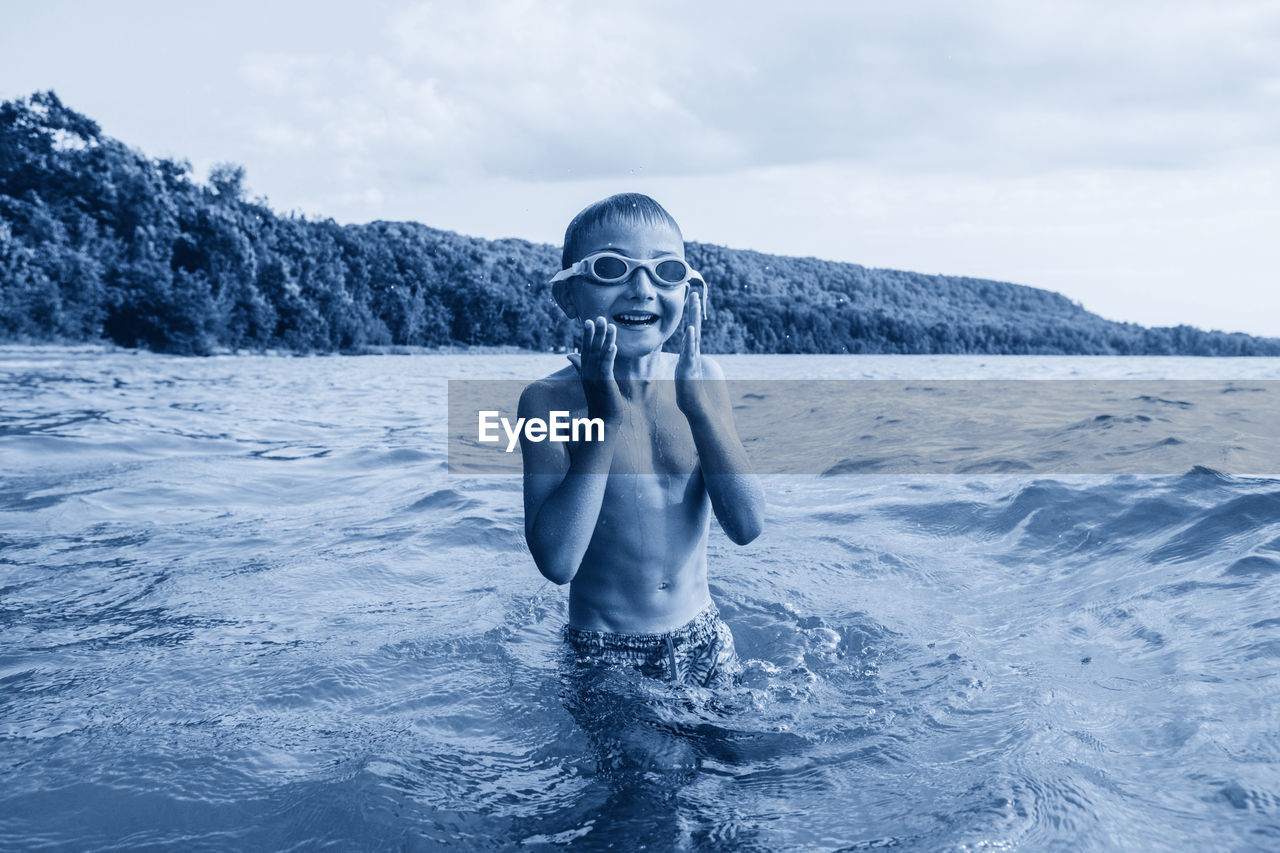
(645, 314)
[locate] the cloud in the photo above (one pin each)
(571, 90)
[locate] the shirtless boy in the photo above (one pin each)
(624, 520)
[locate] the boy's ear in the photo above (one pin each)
(562, 293)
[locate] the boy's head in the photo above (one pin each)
(623, 208)
(644, 300)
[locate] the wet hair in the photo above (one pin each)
(630, 208)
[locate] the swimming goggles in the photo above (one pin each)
(613, 268)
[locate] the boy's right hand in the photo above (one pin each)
(595, 366)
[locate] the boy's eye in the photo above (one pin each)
(671, 271)
(609, 268)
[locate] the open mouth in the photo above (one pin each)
(635, 318)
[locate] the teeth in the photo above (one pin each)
(635, 318)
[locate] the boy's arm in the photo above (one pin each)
(563, 493)
(734, 489)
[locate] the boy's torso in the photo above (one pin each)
(645, 569)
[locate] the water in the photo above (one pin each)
(243, 605)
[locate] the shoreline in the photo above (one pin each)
(490, 349)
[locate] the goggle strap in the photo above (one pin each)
(576, 269)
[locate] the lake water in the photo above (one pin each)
(245, 605)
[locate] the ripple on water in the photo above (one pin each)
(1253, 565)
(1218, 528)
(443, 500)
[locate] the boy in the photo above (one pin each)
(624, 520)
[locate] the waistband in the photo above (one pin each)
(697, 630)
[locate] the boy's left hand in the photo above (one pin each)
(693, 395)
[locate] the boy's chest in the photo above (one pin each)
(655, 439)
(654, 470)
(655, 446)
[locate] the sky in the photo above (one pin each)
(1124, 153)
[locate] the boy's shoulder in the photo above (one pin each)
(711, 367)
(564, 374)
(560, 389)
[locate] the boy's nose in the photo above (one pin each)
(642, 284)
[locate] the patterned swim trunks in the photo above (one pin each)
(700, 652)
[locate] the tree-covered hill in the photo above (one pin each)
(97, 240)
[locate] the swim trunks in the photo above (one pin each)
(700, 652)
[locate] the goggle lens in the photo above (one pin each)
(608, 268)
(671, 271)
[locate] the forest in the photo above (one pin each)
(100, 242)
